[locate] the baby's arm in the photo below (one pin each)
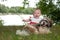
(26, 20)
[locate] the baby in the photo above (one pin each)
(37, 17)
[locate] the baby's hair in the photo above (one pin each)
(38, 9)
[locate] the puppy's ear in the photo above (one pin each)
(50, 22)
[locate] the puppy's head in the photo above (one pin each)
(46, 22)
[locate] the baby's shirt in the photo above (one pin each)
(34, 20)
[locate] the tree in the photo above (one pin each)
(56, 13)
(3, 9)
(12, 10)
(3, 0)
(28, 11)
(58, 3)
(26, 2)
(46, 6)
(50, 9)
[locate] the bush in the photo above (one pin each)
(1, 24)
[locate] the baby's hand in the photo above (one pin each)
(27, 20)
(23, 20)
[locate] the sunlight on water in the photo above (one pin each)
(13, 19)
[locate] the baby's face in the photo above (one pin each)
(37, 13)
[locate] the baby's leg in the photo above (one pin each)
(31, 28)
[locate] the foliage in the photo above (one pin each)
(50, 9)
(25, 2)
(28, 10)
(1, 24)
(3, 9)
(12, 10)
(55, 15)
(46, 6)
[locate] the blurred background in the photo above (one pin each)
(13, 11)
(50, 8)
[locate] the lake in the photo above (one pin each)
(11, 20)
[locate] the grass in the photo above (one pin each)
(9, 33)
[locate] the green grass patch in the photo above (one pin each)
(9, 33)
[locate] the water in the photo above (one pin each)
(9, 20)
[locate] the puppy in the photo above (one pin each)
(45, 25)
(41, 28)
